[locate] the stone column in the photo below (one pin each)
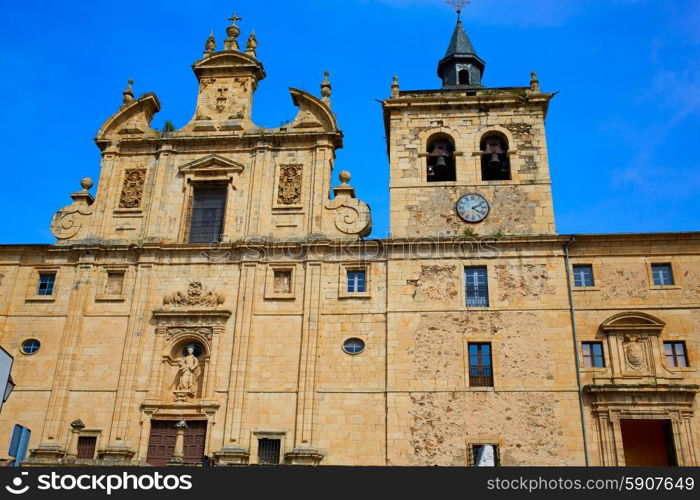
(179, 452)
(76, 427)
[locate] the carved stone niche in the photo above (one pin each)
(191, 317)
(636, 351)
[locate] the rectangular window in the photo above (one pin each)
(477, 286)
(480, 368)
(356, 281)
(207, 214)
(46, 283)
(583, 275)
(593, 355)
(86, 446)
(663, 274)
(675, 354)
(484, 455)
(268, 451)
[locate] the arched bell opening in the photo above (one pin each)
(441, 159)
(495, 162)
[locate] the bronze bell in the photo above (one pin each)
(494, 162)
(441, 162)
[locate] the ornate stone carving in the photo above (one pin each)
(132, 189)
(289, 188)
(68, 221)
(193, 297)
(205, 332)
(635, 353)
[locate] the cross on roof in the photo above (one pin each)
(458, 5)
(235, 18)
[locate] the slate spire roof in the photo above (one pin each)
(460, 43)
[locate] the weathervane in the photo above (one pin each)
(458, 4)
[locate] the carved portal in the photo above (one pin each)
(289, 188)
(638, 386)
(132, 189)
(187, 320)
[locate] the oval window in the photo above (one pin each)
(30, 346)
(354, 346)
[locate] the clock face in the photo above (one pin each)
(473, 207)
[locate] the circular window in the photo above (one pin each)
(195, 347)
(30, 346)
(354, 346)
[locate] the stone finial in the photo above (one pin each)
(395, 87)
(231, 43)
(326, 88)
(344, 189)
(534, 83)
(251, 45)
(128, 94)
(86, 183)
(210, 44)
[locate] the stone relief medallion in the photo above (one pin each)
(635, 355)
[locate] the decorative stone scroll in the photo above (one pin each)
(69, 220)
(193, 297)
(132, 188)
(352, 216)
(289, 188)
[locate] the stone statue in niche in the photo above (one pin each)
(187, 375)
(635, 354)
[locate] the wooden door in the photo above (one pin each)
(195, 438)
(161, 443)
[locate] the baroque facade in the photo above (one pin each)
(218, 296)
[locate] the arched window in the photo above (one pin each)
(463, 77)
(441, 160)
(495, 164)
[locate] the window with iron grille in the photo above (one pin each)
(207, 214)
(675, 354)
(480, 366)
(662, 274)
(356, 281)
(583, 275)
(46, 283)
(484, 455)
(477, 286)
(86, 446)
(593, 355)
(269, 451)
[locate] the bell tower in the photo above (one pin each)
(466, 159)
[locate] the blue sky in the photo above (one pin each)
(623, 133)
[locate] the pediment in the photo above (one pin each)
(632, 321)
(212, 164)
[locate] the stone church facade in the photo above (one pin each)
(218, 296)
